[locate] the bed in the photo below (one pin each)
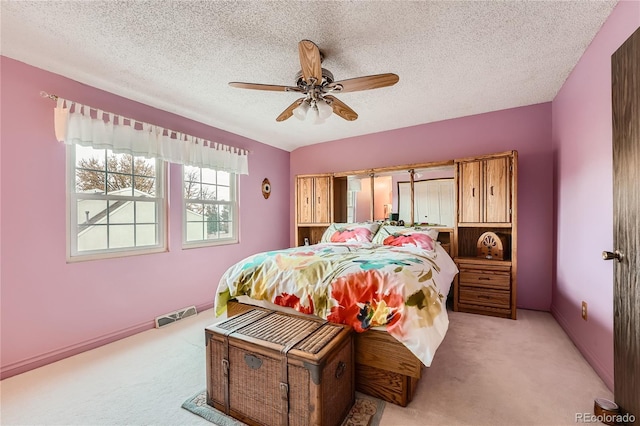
(388, 283)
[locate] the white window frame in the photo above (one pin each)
(73, 255)
(233, 203)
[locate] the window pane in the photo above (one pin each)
(121, 211)
(226, 229)
(121, 236)
(211, 212)
(225, 213)
(90, 181)
(145, 212)
(212, 228)
(224, 178)
(208, 192)
(195, 231)
(146, 235)
(196, 211)
(191, 190)
(208, 176)
(224, 193)
(144, 187)
(119, 184)
(90, 212)
(191, 173)
(89, 158)
(119, 163)
(93, 237)
(144, 166)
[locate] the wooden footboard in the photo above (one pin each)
(385, 368)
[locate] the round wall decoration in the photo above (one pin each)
(266, 188)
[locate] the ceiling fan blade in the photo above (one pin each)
(341, 109)
(270, 87)
(310, 61)
(365, 83)
(289, 111)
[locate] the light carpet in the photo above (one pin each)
(366, 411)
(488, 371)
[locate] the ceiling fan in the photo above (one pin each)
(318, 86)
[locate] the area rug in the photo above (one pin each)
(366, 411)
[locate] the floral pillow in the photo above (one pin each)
(400, 236)
(349, 232)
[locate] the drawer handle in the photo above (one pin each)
(484, 296)
(484, 278)
(340, 369)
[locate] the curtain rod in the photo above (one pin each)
(55, 98)
(46, 95)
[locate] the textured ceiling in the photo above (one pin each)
(453, 58)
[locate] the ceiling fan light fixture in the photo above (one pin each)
(300, 112)
(324, 109)
(314, 112)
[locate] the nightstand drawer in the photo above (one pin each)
(484, 278)
(484, 297)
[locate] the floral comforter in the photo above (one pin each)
(363, 285)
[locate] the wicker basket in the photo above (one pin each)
(270, 368)
(492, 246)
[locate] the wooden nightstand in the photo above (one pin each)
(484, 287)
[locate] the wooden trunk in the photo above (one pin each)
(384, 367)
(271, 368)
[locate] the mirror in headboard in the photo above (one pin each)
(369, 197)
(385, 193)
(434, 196)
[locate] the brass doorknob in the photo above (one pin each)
(607, 255)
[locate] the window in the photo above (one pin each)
(210, 207)
(117, 203)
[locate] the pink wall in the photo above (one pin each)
(581, 116)
(51, 309)
(525, 129)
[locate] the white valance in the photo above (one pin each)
(74, 124)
